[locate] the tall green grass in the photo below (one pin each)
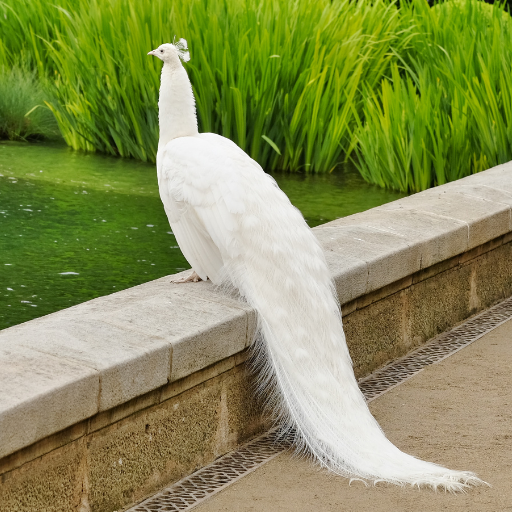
(446, 110)
(416, 96)
(281, 78)
(23, 113)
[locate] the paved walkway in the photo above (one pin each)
(457, 413)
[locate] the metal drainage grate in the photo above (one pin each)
(438, 349)
(211, 479)
(196, 488)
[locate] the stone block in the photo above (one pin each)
(485, 219)
(163, 289)
(162, 444)
(388, 256)
(56, 482)
(41, 394)
(439, 303)
(244, 407)
(200, 331)
(129, 363)
(487, 189)
(201, 349)
(375, 333)
(499, 178)
(438, 238)
(482, 191)
(350, 275)
(492, 276)
(206, 290)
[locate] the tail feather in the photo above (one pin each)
(304, 366)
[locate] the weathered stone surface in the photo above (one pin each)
(56, 482)
(350, 275)
(437, 304)
(492, 194)
(200, 331)
(438, 238)
(491, 277)
(163, 443)
(107, 469)
(485, 219)
(495, 188)
(205, 290)
(225, 338)
(41, 394)
(389, 257)
(245, 410)
(498, 178)
(129, 364)
(374, 334)
(168, 295)
(160, 444)
(125, 340)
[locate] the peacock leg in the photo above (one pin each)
(192, 278)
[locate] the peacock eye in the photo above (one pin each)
(161, 51)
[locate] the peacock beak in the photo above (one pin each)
(152, 52)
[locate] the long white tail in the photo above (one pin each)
(305, 367)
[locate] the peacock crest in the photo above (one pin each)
(182, 48)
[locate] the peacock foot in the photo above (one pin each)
(192, 278)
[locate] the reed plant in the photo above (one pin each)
(282, 79)
(415, 96)
(446, 111)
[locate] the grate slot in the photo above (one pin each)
(204, 483)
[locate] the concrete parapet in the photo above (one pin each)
(104, 402)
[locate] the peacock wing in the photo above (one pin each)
(205, 183)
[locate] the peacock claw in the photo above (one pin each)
(192, 278)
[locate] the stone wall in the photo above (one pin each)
(119, 456)
(103, 403)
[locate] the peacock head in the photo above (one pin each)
(172, 53)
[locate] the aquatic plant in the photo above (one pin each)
(415, 96)
(23, 113)
(282, 79)
(446, 111)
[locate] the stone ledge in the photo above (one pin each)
(108, 418)
(75, 364)
(120, 456)
(370, 250)
(107, 351)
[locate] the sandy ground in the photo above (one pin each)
(457, 413)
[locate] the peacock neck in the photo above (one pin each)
(176, 105)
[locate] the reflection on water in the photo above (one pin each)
(76, 226)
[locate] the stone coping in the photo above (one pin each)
(63, 368)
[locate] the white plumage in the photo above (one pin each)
(234, 225)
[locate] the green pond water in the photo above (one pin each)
(76, 226)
